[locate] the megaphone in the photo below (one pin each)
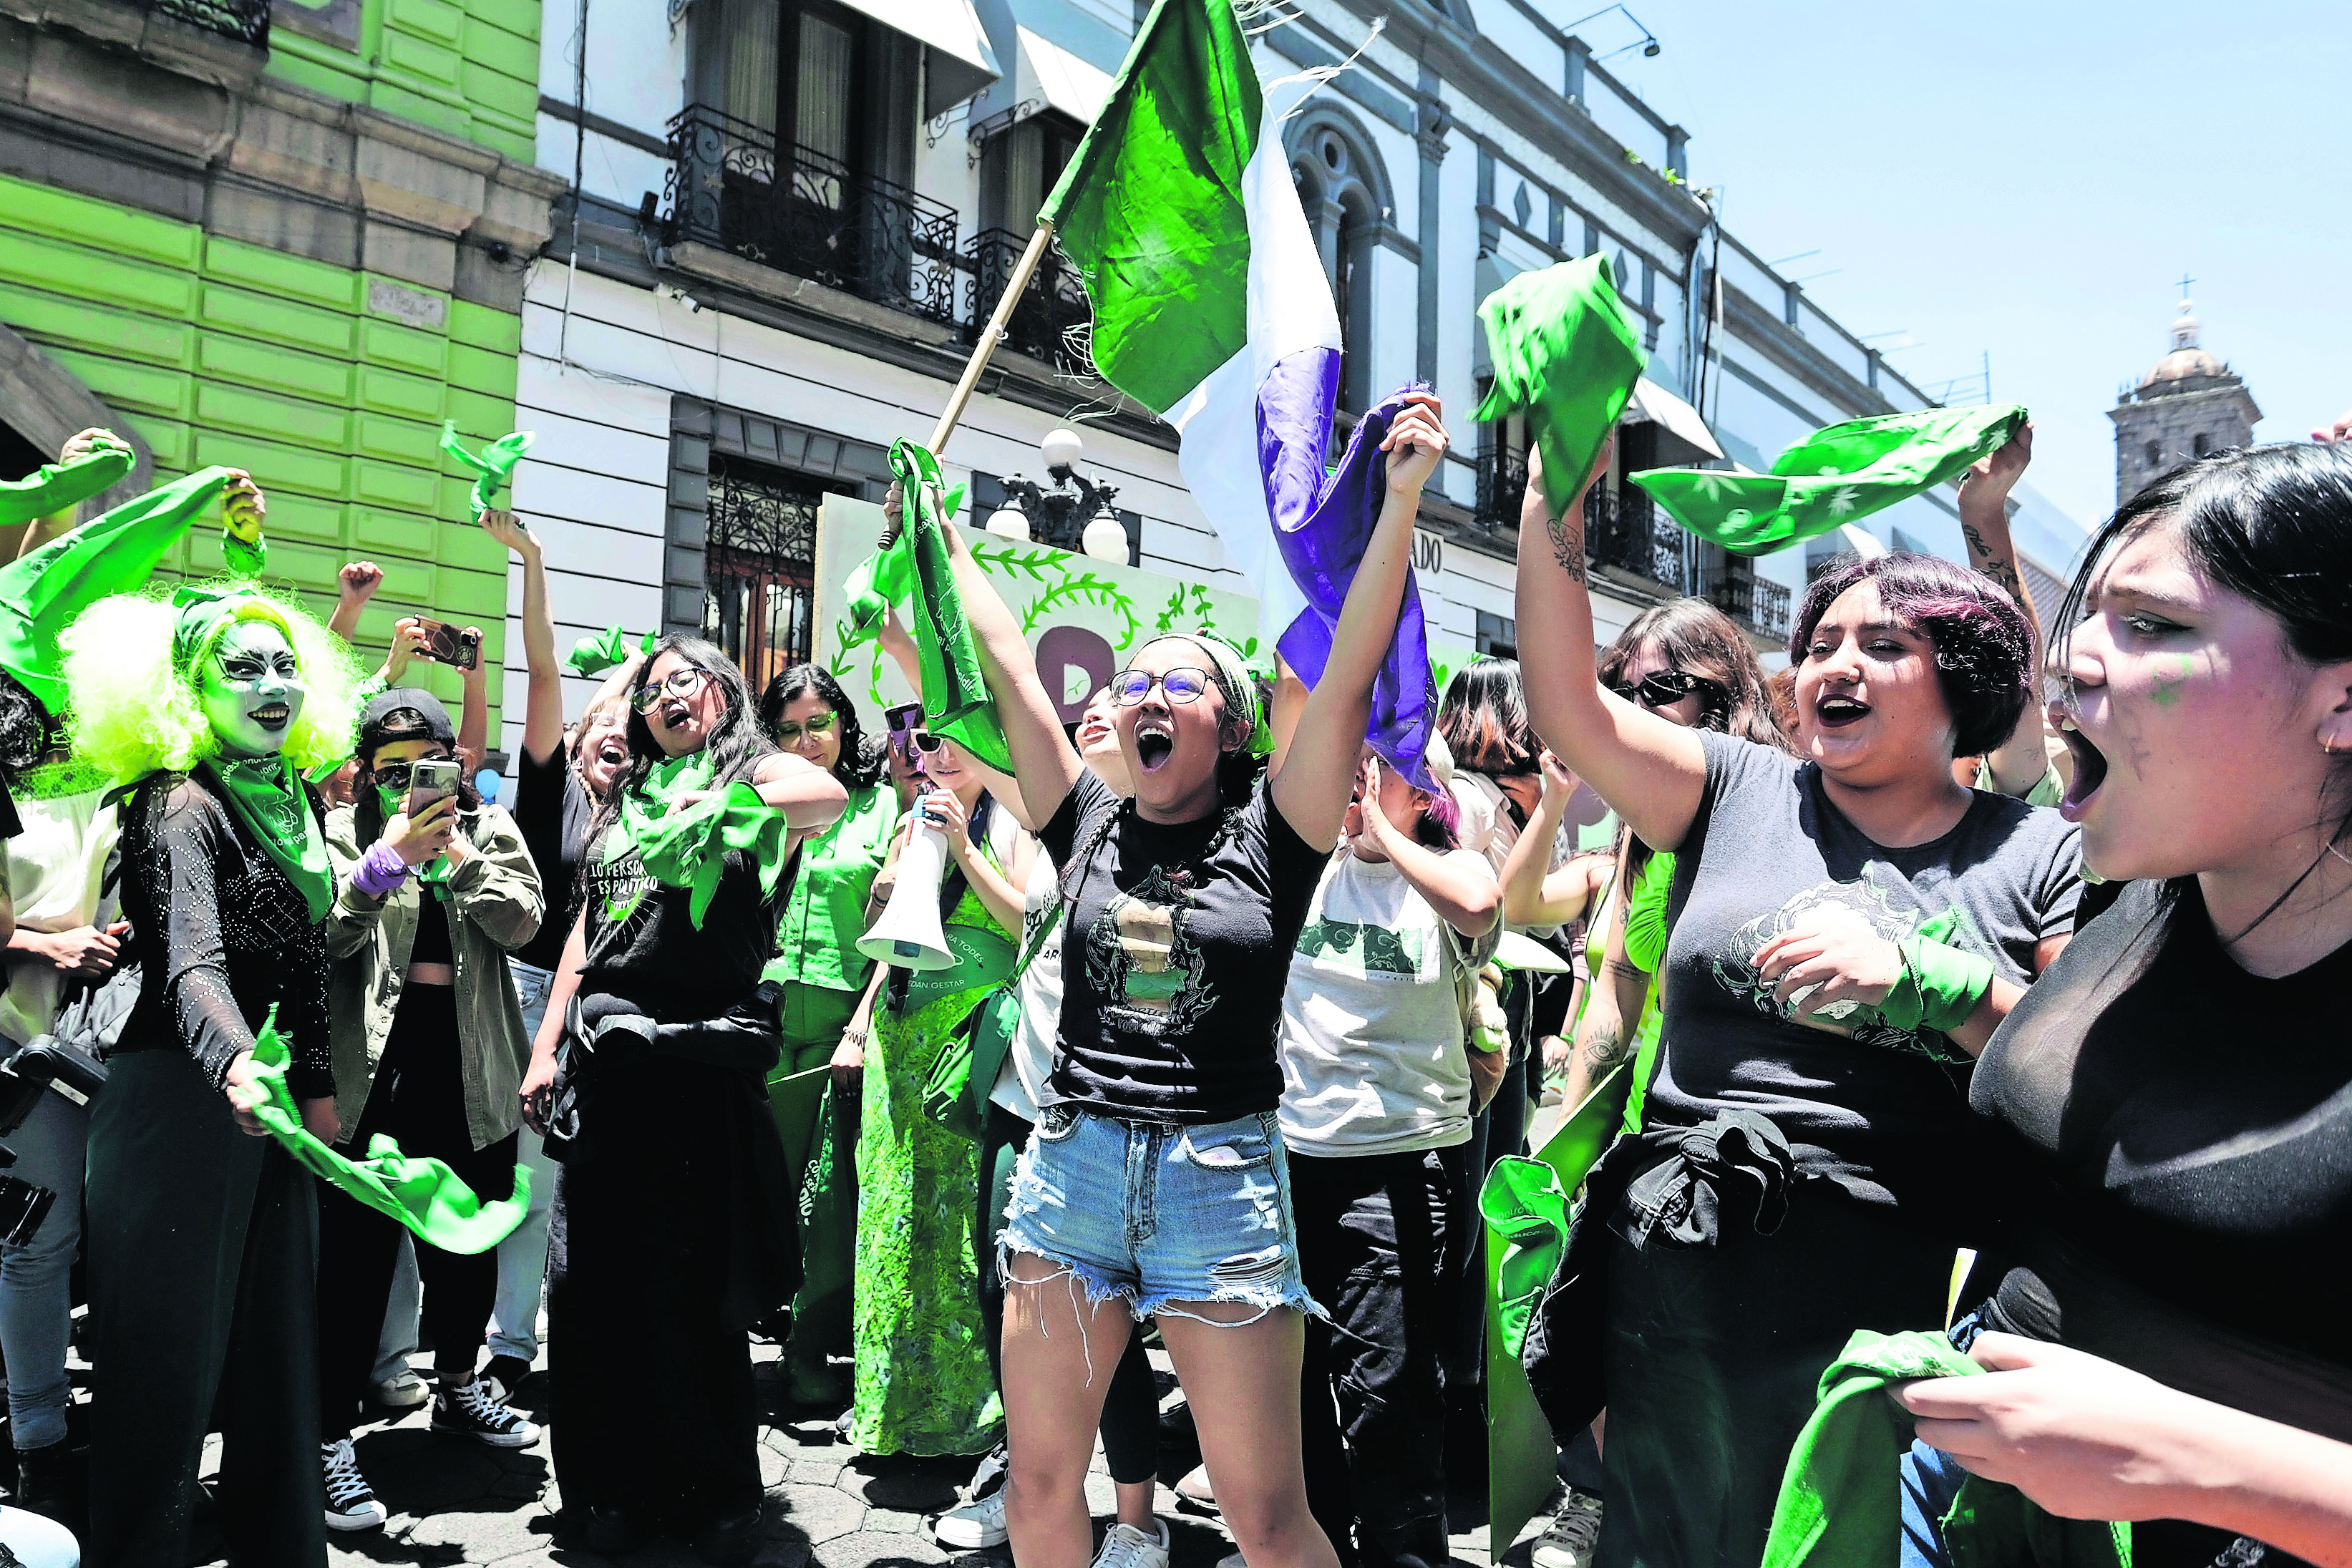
(909, 934)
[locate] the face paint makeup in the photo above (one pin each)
(251, 689)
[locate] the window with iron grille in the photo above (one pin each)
(759, 599)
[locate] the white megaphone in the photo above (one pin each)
(908, 934)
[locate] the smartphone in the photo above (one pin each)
(445, 644)
(429, 781)
(903, 722)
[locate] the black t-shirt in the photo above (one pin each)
(552, 809)
(2177, 1153)
(1178, 948)
(642, 943)
(431, 943)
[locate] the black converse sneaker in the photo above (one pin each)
(351, 1502)
(467, 1411)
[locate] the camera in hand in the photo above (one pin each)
(432, 779)
(445, 644)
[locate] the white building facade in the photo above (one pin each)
(792, 214)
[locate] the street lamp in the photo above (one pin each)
(1074, 514)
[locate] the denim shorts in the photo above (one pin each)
(1157, 1213)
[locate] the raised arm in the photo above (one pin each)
(809, 797)
(473, 711)
(1649, 770)
(1462, 890)
(1312, 786)
(354, 586)
(2017, 764)
(543, 723)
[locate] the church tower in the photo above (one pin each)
(2189, 404)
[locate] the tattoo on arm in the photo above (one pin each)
(1626, 969)
(2001, 569)
(1604, 1048)
(1567, 546)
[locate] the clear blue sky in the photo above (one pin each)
(2031, 181)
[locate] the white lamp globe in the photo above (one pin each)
(1062, 449)
(1105, 540)
(1009, 523)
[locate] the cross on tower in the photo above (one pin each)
(2185, 281)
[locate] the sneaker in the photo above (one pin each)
(467, 1411)
(402, 1391)
(976, 1526)
(351, 1502)
(502, 1379)
(1127, 1547)
(1574, 1531)
(1194, 1494)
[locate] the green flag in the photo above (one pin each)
(1567, 352)
(493, 465)
(605, 652)
(424, 1195)
(54, 487)
(956, 703)
(112, 553)
(886, 579)
(1835, 476)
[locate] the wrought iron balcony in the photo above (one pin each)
(1760, 605)
(1622, 528)
(734, 185)
(1050, 321)
(1502, 487)
(246, 21)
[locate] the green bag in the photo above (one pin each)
(954, 1093)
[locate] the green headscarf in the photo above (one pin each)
(1567, 351)
(265, 793)
(605, 652)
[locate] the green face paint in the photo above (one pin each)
(251, 689)
(2167, 687)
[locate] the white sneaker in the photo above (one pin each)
(1194, 1494)
(977, 1525)
(404, 1390)
(1127, 1547)
(351, 1502)
(1573, 1535)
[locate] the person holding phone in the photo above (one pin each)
(433, 890)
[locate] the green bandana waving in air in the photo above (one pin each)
(493, 466)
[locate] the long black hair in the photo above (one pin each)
(401, 724)
(1483, 719)
(736, 744)
(861, 757)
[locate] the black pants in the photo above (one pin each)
(201, 1247)
(1714, 1358)
(669, 1239)
(1130, 1413)
(1377, 1247)
(419, 1102)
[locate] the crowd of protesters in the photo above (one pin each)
(1226, 1040)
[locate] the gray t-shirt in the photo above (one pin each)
(1889, 1107)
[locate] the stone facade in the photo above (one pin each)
(2189, 404)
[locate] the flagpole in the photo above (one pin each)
(998, 321)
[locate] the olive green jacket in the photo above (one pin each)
(495, 905)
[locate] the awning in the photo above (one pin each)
(1045, 76)
(962, 63)
(1677, 422)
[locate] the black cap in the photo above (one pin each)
(417, 700)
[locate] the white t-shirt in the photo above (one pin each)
(1372, 1057)
(55, 868)
(1488, 827)
(1031, 1061)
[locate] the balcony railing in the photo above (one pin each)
(1762, 606)
(1502, 487)
(734, 185)
(246, 21)
(1051, 318)
(1622, 529)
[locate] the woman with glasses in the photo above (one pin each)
(1156, 1184)
(430, 1051)
(670, 1239)
(1850, 924)
(924, 1385)
(823, 978)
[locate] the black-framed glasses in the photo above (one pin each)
(1184, 685)
(680, 684)
(790, 730)
(1664, 688)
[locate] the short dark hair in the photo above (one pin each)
(861, 761)
(1983, 643)
(1483, 719)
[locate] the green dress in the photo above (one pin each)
(923, 1383)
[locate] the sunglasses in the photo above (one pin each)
(1129, 688)
(680, 684)
(789, 730)
(396, 775)
(924, 741)
(1664, 688)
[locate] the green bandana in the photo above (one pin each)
(494, 464)
(605, 652)
(54, 487)
(266, 794)
(956, 703)
(1567, 351)
(683, 845)
(112, 553)
(425, 1195)
(1835, 476)
(887, 578)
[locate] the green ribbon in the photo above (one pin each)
(685, 845)
(605, 652)
(1835, 475)
(1941, 984)
(54, 487)
(1567, 352)
(493, 465)
(956, 703)
(266, 794)
(885, 579)
(112, 553)
(424, 1195)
